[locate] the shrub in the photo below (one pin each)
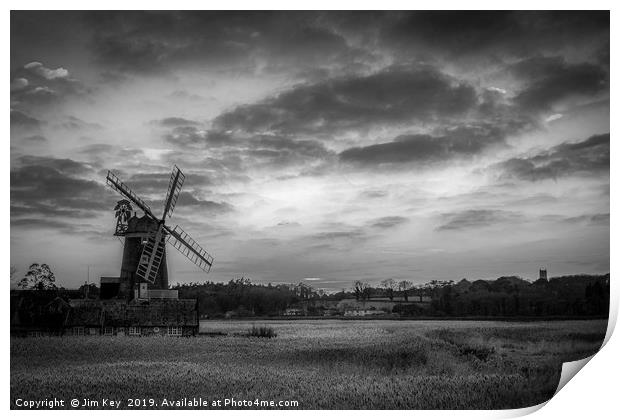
(264, 331)
(481, 353)
(408, 310)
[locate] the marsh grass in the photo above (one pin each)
(263, 331)
(322, 364)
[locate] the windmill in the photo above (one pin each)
(144, 253)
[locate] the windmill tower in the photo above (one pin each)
(144, 264)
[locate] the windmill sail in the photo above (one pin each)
(174, 188)
(188, 247)
(152, 255)
(116, 184)
(153, 240)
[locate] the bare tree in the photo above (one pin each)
(389, 285)
(366, 291)
(358, 287)
(404, 286)
(361, 290)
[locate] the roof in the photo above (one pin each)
(48, 311)
(137, 224)
(44, 310)
(84, 313)
(163, 313)
(118, 313)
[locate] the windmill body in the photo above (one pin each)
(136, 236)
(144, 272)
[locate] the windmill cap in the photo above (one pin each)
(142, 224)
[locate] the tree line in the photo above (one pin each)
(509, 296)
(575, 295)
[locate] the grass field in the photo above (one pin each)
(321, 364)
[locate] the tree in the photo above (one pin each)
(366, 291)
(38, 277)
(404, 286)
(389, 285)
(304, 291)
(89, 290)
(418, 291)
(357, 289)
(361, 290)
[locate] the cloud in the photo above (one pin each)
(354, 234)
(36, 85)
(388, 222)
(184, 95)
(174, 122)
(423, 149)
(158, 42)
(85, 230)
(553, 117)
(477, 218)
(19, 83)
(100, 153)
(22, 120)
(155, 184)
(50, 74)
(74, 123)
(35, 139)
(38, 223)
(188, 136)
(66, 166)
(394, 95)
(42, 209)
(149, 182)
(52, 188)
(282, 151)
(598, 218)
(241, 152)
(491, 34)
(213, 207)
(373, 194)
(589, 157)
(551, 79)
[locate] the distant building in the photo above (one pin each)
(364, 312)
(293, 312)
(542, 274)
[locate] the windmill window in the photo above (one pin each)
(108, 331)
(134, 330)
(78, 330)
(174, 330)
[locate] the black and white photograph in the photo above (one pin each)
(306, 210)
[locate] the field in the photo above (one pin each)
(322, 364)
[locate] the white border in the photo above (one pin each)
(592, 395)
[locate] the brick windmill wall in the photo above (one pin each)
(135, 236)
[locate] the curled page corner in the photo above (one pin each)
(519, 412)
(611, 325)
(570, 369)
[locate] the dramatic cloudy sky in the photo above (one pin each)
(318, 147)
